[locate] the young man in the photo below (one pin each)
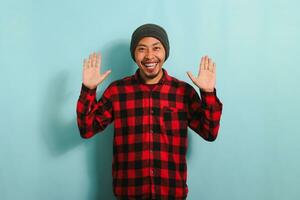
(151, 111)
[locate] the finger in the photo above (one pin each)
(104, 76)
(201, 65)
(192, 77)
(210, 64)
(91, 56)
(89, 63)
(85, 64)
(206, 63)
(94, 60)
(214, 68)
(90, 60)
(98, 60)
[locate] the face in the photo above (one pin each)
(150, 56)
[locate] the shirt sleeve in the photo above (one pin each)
(93, 116)
(204, 114)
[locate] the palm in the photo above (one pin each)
(206, 78)
(91, 75)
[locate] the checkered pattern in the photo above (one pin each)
(150, 132)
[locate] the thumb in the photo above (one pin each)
(191, 76)
(104, 76)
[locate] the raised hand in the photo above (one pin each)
(91, 76)
(206, 79)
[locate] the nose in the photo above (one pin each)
(149, 54)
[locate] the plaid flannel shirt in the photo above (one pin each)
(150, 132)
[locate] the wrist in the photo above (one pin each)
(89, 87)
(207, 90)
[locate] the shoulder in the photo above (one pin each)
(117, 85)
(122, 82)
(183, 88)
(180, 84)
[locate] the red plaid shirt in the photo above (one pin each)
(150, 132)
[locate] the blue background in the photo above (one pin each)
(254, 43)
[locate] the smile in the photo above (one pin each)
(150, 65)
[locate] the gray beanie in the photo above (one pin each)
(149, 30)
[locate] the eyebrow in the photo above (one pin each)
(156, 43)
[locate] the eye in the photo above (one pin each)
(140, 48)
(156, 48)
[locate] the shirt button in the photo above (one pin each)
(152, 111)
(151, 131)
(152, 172)
(151, 151)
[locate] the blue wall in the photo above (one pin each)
(254, 43)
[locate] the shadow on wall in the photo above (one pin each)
(116, 57)
(60, 131)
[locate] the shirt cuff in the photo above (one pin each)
(86, 89)
(87, 94)
(209, 98)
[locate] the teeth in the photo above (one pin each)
(150, 64)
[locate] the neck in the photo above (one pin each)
(154, 80)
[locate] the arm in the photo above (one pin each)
(205, 114)
(93, 116)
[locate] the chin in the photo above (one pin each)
(153, 74)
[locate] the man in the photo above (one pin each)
(151, 111)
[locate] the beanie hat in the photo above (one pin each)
(149, 30)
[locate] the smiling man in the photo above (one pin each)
(149, 56)
(151, 111)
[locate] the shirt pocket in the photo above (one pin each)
(174, 121)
